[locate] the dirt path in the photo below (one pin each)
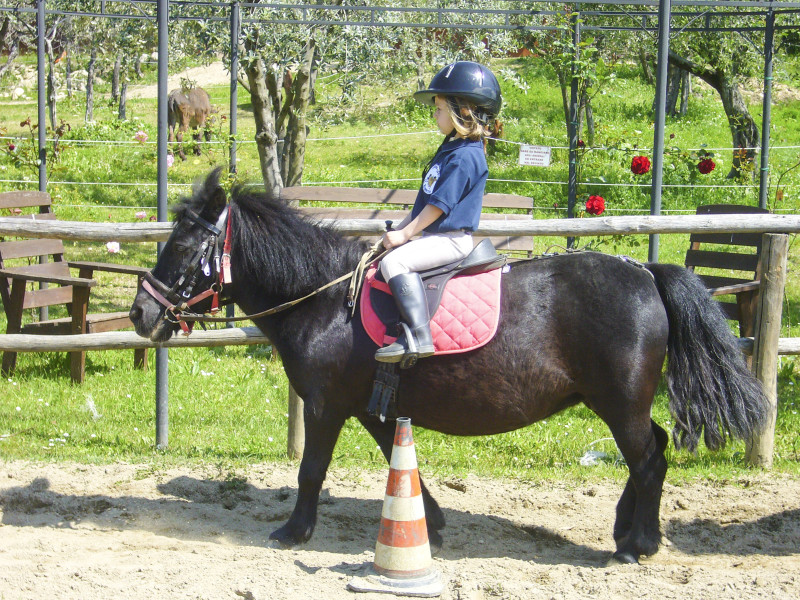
(213, 74)
(100, 532)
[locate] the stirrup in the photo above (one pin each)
(413, 353)
(397, 356)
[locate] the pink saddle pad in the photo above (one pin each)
(466, 319)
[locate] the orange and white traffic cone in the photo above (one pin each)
(403, 564)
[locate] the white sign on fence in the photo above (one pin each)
(534, 156)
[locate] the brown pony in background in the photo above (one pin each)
(188, 108)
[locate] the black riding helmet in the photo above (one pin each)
(468, 80)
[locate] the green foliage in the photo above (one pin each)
(238, 414)
(23, 153)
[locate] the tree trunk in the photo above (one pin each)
(266, 140)
(51, 88)
(644, 61)
(673, 90)
(677, 91)
(115, 78)
(686, 88)
(12, 54)
(137, 67)
(123, 97)
(6, 33)
(312, 90)
(744, 131)
(68, 75)
(4, 29)
(89, 116)
(589, 119)
(282, 97)
(294, 149)
(422, 62)
(280, 107)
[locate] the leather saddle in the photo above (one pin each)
(483, 258)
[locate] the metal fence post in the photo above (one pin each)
(41, 103)
(766, 111)
(235, 27)
(572, 126)
(41, 94)
(664, 15)
(162, 354)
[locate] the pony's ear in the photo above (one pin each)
(214, 192)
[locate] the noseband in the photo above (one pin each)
(206, 258)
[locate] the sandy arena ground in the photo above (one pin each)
(125, 531)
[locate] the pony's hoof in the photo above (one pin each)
(623, 558)
(285, 539)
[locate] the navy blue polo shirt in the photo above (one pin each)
(455, 183)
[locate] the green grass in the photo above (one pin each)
(228, 406)
(111, 418)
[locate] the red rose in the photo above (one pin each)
(581, 144)
(705, 166)
(11, 147)
(595, 205)
(640, 165)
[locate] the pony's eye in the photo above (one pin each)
(182, 248)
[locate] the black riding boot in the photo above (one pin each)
(409, 294)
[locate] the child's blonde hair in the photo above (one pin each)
(470, 121)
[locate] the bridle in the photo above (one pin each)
(178, 299)
(207, 258)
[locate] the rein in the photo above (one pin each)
(178, 299)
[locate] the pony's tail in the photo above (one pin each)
(710, 387)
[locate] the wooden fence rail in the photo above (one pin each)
(128, 340)
(159, 232)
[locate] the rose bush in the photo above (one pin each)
(705, 166)
(640, 165)
(595, 205)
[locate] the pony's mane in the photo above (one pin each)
(275, 240)
(274, 244)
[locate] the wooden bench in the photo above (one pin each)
(383, 204)
(25, 264)
(732, 267)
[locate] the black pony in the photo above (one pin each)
(582, 327)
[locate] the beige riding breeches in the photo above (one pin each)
(427, 252)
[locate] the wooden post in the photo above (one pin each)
(296, 439)
(296, 436)
(774, 251)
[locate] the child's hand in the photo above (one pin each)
(395, 238)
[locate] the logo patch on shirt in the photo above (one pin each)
(431, 178)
